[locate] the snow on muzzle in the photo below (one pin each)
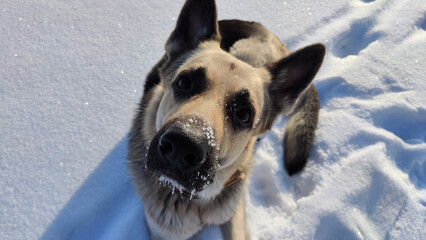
(182, 151)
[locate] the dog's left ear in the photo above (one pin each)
(197, 22)
(293, 74)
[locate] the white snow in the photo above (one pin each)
(71, 75)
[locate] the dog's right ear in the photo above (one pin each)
(197, 22)
(293, 74)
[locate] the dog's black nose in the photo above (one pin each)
(186, 149)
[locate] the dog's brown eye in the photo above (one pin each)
(184, 83)
(243, 115)
(189, 83)
(239, 107)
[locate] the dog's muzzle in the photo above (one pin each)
(182, 151)
(183, 148)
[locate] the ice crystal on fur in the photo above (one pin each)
(208, 130)
(166, 181)
(192, 194)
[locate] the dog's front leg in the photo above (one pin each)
(235, 228)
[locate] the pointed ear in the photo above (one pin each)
(293, 74)
(197, 22)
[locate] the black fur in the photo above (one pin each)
(197, 84)
(197, 22)
(303, 135)
(237, 105)
(153, 77)
(293, 74)
(234, 30)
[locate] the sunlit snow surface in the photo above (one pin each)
(71, 75)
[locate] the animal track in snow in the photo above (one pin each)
(266, 187)
(338, 87)
(393, 85)
(368, 1)
(408, 158)
(423, 23)
(331, 227)
(403, 122)
(417, 174)
(354, 40)
(410, 126)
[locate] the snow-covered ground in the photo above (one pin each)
(71, 75)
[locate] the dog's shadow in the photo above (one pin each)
(105, 206)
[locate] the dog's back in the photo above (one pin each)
(251, 42)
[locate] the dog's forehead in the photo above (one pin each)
(227, 74)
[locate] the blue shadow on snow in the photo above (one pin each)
(105, 206)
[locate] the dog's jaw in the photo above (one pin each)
(166, 181)
(210, 191)
(223, 175)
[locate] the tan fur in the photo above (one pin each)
(259, 50)
(246, 67)
(209, 105)
(236, 149)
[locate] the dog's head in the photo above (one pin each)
(210, 106)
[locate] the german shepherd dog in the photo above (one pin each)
(217, 88)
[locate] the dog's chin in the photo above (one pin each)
(211, 190)
(207, 192)
(201, 189)
(172, 183)
(190, 182)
